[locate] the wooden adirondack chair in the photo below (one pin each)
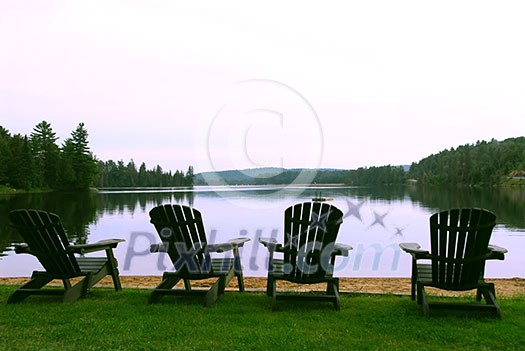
(309, 252)
(183, 238)
(459, 248)
(46, 239)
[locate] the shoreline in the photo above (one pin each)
(505, 287)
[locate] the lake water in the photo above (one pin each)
(376, 220)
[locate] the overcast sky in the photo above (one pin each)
(223, 84)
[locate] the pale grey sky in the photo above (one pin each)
(235, 84)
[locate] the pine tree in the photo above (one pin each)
(79, 164)
(143, 175)
(67, 176)
(5, 155)
(188, 179)
(132, 173)
(46, 154)
(20, 165)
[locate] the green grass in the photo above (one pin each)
(243, 321)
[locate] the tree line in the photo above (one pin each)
(482, 163)
(364, 176)
(118, 174)
(38, 162)
(384, 175)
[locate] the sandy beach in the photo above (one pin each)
(399, 286)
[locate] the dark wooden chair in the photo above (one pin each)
(46, 239)
(309, 252)
(459, 248)
(183, 238)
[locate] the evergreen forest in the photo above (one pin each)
(483, 163)
(37, 162)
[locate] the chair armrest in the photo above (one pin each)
(496, 252)
(163, 247)
(23, 248)
(239, 242)
(229, 245)
(342, 249)
(414, 249)
(98, 246)
(270, 243)
(158, 248)
(497, 249)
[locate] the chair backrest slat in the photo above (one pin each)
(181, 229)
(46, 237)
(310, 232)
(459, 241)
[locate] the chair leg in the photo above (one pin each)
(113, 269)
(238, 269)
(422, 299)
(168, 282)
(271, 290)
(270, 286)
(332, 286)
(329, 288)
(479, 294)
(213, 293)
(240, 281)
(413, 280)
(333, 289)
(489, 294)
(37, 282)
(78, 290)
(337, 303)
(418, 286)
(274, 300)
(227, 279)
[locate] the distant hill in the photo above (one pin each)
(253, 176)
(232, 177)
(484, 163)
(279, 176)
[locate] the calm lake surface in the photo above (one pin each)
(376, 220)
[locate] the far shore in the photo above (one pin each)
(508, 182)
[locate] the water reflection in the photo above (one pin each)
(78, 211)
(507, 203)
(376, 220)
(130, 201)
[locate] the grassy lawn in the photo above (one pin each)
(243, 321)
